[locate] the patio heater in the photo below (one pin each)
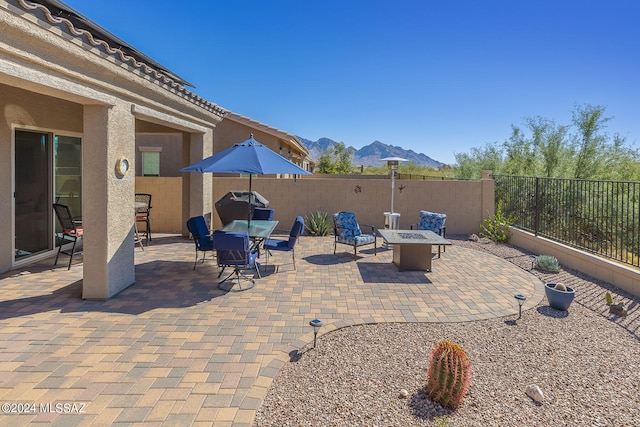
(392, 219)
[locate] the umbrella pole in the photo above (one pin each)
(249, 205)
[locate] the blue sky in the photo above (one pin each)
(437, 77)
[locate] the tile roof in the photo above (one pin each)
(291, 139)
(76, 25)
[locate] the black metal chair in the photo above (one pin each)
(71, 231)
(143, 213)
(197, 226)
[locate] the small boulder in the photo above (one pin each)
(403, 394)
(618, 309)
(534, 392)
(474, 238)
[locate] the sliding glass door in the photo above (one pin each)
(33, 190)
(48, 169)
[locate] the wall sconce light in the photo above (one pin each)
(521, 299)
(316, 324)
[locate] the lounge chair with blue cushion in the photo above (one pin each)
(347, 231)
(432, 221)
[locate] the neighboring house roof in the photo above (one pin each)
(291, 139)
(76, 25)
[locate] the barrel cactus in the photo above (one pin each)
(547, 263)
(560, 287)
(449, 374)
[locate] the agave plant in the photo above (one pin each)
(318, 224)
(547, 263)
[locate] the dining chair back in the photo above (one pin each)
(286, 245)
(233, 249)
(143, 213)
(197, 226)
(71, 231)
(265, 214)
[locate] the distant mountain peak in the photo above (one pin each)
(371, 154)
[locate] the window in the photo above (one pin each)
(150, 160)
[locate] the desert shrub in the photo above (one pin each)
(496, 228)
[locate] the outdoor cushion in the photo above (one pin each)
(347, 227)
(347, 231)
(432, 221)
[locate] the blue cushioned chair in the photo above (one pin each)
(233, 249)
(286, 245)
(432, 221)
(347, 231)
(197, 226)
(264, 214)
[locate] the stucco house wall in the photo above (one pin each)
(55, 77)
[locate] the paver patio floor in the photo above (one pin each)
(174, 349)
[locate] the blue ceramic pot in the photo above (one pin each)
(560, 300)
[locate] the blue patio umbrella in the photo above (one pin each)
(250, 157)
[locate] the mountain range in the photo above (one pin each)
(370, 155)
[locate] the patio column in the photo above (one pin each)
(488, 195)
(108, 211)
(197, 188)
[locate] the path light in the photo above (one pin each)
(317, 324)
(521, 299)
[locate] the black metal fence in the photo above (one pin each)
(597, 216)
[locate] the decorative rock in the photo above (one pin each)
(474, 238)
(534, 392)
(403, 393)
(618, 309)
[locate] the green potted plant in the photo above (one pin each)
(559, 295)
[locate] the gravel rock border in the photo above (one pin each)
(586, 361)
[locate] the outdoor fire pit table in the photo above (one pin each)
(412, 248)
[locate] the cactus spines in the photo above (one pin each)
(609, 298)
(449, 374)
(560, 287)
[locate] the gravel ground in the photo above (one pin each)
(586, 361)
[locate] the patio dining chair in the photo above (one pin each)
(286, 245)
(432, 221)
(72, 231)
(264, 214)
(143, 213)
(197, 226)
(233, 249)
(347, 231)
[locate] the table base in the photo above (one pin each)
(412, 256)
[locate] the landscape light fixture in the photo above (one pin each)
(317, 324)
(392, 164)
(521, 299)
